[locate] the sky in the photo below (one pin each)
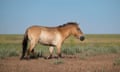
(93, 16)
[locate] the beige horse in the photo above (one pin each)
(51, 36)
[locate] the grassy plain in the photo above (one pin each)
(98, 53)
(10, 45)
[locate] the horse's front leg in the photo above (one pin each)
(51, 52)
(59, 51)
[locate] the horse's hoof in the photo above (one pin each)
(49, 57)
(24, 58)
(21, 58)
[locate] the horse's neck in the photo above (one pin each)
(65, 33)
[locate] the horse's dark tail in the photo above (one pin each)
(24, 45)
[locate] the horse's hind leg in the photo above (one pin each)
(31, 48)
(33, 51)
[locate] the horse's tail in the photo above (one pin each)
(24, 44)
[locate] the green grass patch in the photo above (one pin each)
(11, 45)
(116, 62)
(91, 50)
(5, 52)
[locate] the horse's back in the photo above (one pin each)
(45, 35)
(37, 30)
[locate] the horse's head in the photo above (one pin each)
(76, 31)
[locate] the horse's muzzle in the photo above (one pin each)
(82, 38)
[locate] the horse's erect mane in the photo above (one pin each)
(69, 23)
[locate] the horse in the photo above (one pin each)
(50, 36)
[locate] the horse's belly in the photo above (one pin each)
(49, 39)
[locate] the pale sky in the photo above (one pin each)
(94, 16)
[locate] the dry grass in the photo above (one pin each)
(10, 45)
(98, 53)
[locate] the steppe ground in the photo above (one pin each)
(98, 53)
